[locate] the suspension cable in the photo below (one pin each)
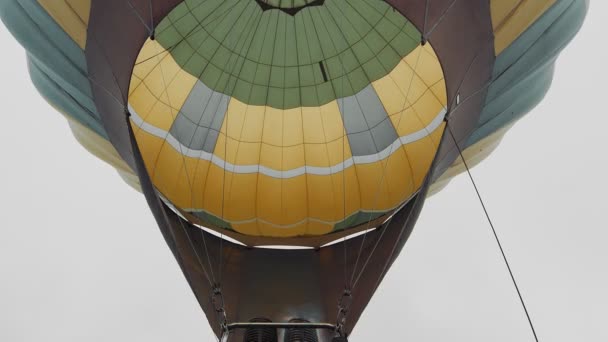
(502, 252)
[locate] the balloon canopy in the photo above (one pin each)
(290, 122)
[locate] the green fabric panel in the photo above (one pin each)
(523, 72)
(60, 71)
(277, 59)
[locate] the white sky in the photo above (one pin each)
(112, 278)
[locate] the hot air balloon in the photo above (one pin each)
(286, 147)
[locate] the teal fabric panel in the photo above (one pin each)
(63, 100)
(58, 64)
(523, 72)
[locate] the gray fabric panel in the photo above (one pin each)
(352, 115)
(362, 143)
(372, 107)
(384, 134)
(183, 130)
(367, 124)
(195, 104)
(199, 138)
(211, 141)
(200, 119)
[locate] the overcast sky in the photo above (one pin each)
(81, 258)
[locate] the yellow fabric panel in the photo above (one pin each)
(419, 87)
(247, 228)
(420, 153)
(179, 89)
(332, 125)
(142, 100)
(321, 200)
(425, 62)
(440, 92)
(410, 85)
(72, 16)
(511, 18)
(312, 123)
(182, 191)
(407, 122)
(239, 115)
(380, 192)
(168, 169)
(234, 121)
(161, 76)
(393, 88)
(291, 157)
(393, 99)
(149, 146)
(82, 8)
(197, 171)
(338, 151)
(241, 197)
(398, 178)
(373, 186)
(269, 199)
(183, 185)
(294, 200)
(316, 155)
(272, 133)
(292, 127)
(244, 144)
(267, 229)
(214, 190)
(417, 116)
(349, 204)
(292, 138)
(319, 228)
(160, 115)
(260, 227)
(254, 121)
(149, 56)
(246, 153)
(324, 136)
(282, 158)
(159, 87)
(427, 107)
(135, 83)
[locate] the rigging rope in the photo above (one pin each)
(502, 252)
